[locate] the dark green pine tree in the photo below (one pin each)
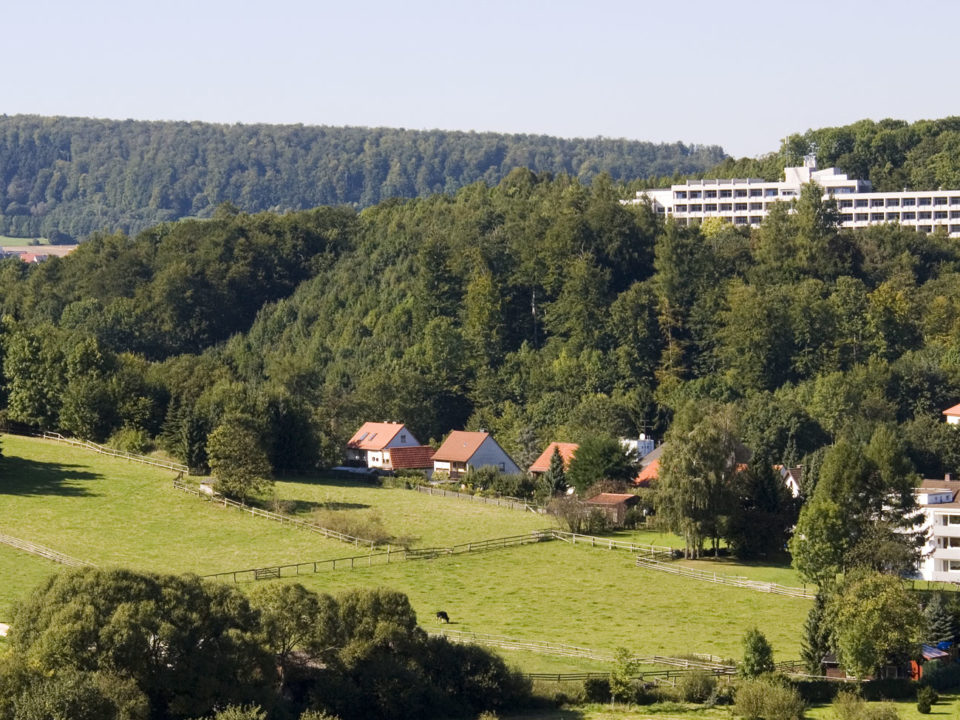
(556, 476)
(942, 627)
(816, 637)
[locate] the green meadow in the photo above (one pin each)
(115, 513)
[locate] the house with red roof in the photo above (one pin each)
(417, 457)
(615, 505)
(542, 463)
(953, 415)
(373, 443)
(463, 451)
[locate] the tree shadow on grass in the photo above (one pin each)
(19, 476)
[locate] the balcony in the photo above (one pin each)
(940, 576)
(947, 554)
(946, 530)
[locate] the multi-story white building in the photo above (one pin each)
(940, 505)
(747, 201)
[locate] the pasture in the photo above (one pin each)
(115, 513)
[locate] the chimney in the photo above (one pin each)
(947, 477)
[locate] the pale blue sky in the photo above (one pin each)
(739, 74)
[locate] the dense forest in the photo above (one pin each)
(892, 154)
(67, 177)
(541, 309)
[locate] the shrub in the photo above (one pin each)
(131, 440)
(941, 676)
(926, 697)
(697, 687)
(849, 706)
(317, 715)
(596, 690)
(766, 699)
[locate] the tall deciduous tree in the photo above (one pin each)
(237, 460)
(599, 457)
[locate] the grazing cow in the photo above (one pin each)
(442, 617)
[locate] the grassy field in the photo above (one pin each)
(584, 596)
(6, 240)
(115, 513)
(20, 571)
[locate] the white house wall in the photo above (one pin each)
(490, 453)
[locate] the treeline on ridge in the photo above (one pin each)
(67, 177)
(891, 154)
(540, 309)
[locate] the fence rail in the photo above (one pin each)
(104, 450)
(43, 551)
(507, 502)
(277, 517)
(732, 580)
(661, 552)
(698, 662)
(390, 555)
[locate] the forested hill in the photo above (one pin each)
(78, 175)
(892, 154)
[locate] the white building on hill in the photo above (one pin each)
(747, 201)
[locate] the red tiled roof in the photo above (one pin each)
(460, 446)
(650, 472)
(542, 463)
(955, 410)
(415, 457)
(374, 436)
(612, 499)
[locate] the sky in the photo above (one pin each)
(742, 75)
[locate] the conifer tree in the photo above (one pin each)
(816, 637)
(556, 475)
(942, 627)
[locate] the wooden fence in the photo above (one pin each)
(390, 555)
(732, 580)
(507, 502)
(43, 551)
(277, 517)
(696, 662)
(657, 552)
(104, 450)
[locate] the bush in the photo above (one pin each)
(697, 687)
(942, 676)
(131, 440)
(926, 698)
(889, 689)
(849, 706)
(766, 699)
(596, 690)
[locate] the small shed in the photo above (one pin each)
(615, 505)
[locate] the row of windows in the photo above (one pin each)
(897, 202)
(740, 193)
(900, 217)
(757, 219)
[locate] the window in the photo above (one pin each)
(846, 203)
(756, 219)
(502, 467)
(939, 201)
(923, 215)
(695, 194)
(846, 217)
(756, 192)
(710, 207)
(740, 206)
(710, 194)
(952, 519)
(740, 220)
(893, 217)
(726, 193)
(953, 565)
(954, 214)
(770, 192)
(756, 206)
(876, 202)
(909, 202)
(403, 437)
(726, 207)
(923, 201)
(950, 542)
(893, 202)
(955, 228)
(924, 228)
(739, 193)
(955, 200)
(680, 195)
(696, 208)
(861, 203)
(908, 216)
(940, 215)
(876, 217)
(680, 208)
(861, 217)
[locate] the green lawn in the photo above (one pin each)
(583, 596)
(19, 571)
(115, 513)
(6, 240)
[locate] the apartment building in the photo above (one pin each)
(747, 201)
(940, 505)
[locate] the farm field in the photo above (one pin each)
(590, 597)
